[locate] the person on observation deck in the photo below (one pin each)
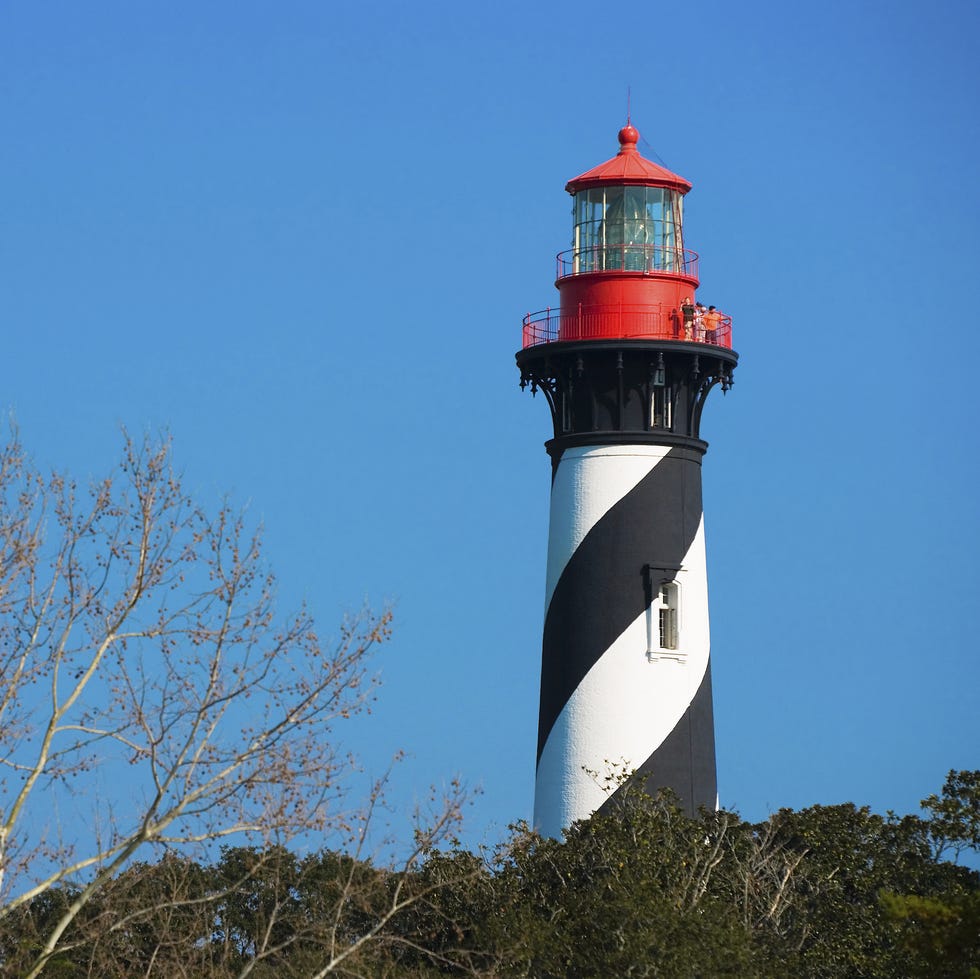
(712, 324)
(699, 313)
(687, 309)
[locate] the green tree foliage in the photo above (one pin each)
(643, 890)
(938, 930)
(639, 890)
(955, 819)
(940, 937)
(836, 926)
(633, 892)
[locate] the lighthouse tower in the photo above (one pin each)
(625, 364)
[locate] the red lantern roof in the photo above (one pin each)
(628, 167)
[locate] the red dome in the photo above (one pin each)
(628, 167)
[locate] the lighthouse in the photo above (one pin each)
(625, 364)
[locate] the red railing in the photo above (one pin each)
(628, 258)
(624, 321)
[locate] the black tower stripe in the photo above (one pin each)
(602, 589)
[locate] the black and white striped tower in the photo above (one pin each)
(625, 364)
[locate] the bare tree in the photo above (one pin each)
(150, 695)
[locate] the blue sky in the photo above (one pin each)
(301, 237)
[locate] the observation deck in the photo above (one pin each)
(634, 321)
(612, 317)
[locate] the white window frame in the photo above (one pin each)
(667, 606)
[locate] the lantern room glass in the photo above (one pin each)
(638, 229)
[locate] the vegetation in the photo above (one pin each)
(643, 890)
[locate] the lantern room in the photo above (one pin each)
(634, 228)
(628, 274)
